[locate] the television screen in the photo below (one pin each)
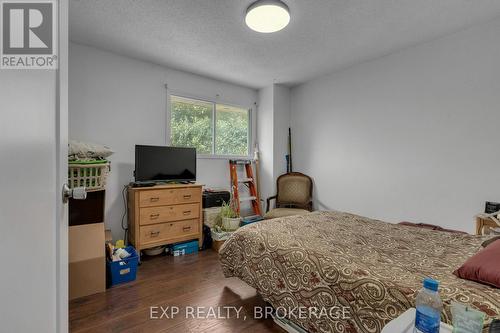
(160, 163)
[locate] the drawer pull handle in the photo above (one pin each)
(155, 233)
(153, 199)
(186, 228)
(186, 212)
(187, 196)
(154, 216)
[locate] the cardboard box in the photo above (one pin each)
(87, 265)
(86, 242)
(87, 277)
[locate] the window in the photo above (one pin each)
(191, 124)
(231, 130)
(211, 128)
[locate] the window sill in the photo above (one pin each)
(222, 157)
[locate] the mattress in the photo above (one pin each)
(367, 271)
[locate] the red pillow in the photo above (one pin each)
(483, 267)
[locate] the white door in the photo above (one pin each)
(33, 221)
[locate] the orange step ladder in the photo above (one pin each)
(249, 181)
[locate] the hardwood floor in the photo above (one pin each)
(187, 281)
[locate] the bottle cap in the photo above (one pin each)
(431, 284)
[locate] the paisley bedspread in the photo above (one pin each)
(367, 271)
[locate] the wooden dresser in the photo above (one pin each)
(164, 214)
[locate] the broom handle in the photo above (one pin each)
(290, 147)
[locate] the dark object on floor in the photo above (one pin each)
(124, 270)
(495, 326)
(431, 227)
(207, 238)
(215, 198)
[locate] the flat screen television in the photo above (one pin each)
(164, 164)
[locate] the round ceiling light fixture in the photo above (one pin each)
(267, 16)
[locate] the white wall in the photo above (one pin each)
(265, 137)
(411, 136)
(272, 127)
(281, 126)
(120, 102)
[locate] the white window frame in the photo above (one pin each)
(251, 127)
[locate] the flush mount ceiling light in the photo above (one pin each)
(267, 16)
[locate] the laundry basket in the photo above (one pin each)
(91, 175)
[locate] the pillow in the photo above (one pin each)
(83, 150)
(489, 241)
(431, 226)
(483, 267)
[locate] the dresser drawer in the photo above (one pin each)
(170, 230)
(174, 196)
(159, 214)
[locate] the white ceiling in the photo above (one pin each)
(209, 37)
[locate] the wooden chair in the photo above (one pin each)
(293, 196)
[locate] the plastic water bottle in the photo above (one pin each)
(429, 307)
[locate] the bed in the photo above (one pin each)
(367, 269)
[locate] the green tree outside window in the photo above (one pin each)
(192, 126)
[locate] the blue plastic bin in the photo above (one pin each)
(180, 249)
(124, 270)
